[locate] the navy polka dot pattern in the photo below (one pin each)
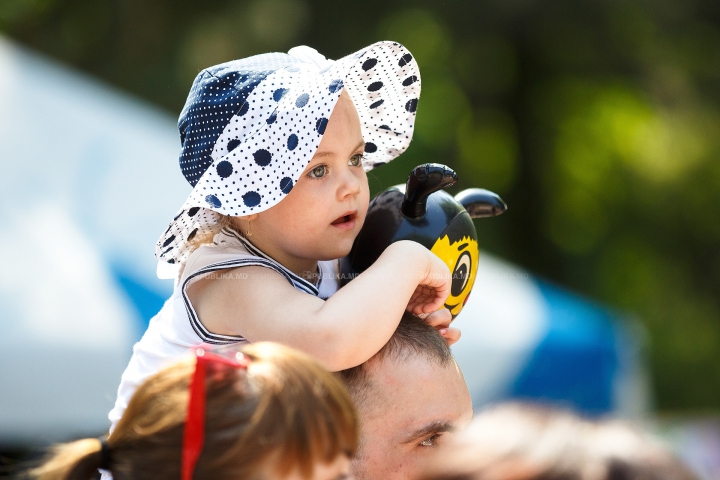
(335, 86)
(368, 64)
(224, 169)
(302, 100)
(262, 157)
(375, 86)
(286, 185)
(218, 93)
(232, 144)
(409, 81)
(320, 125)
(213, 201)
(250, 127)
(292, 142)
(405, 59)
(251, 199)
(279, 93)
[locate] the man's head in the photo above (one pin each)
(410, 396)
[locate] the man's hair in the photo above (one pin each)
(412, 338)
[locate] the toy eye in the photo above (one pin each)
(461, 274)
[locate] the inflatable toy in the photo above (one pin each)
(422, 211)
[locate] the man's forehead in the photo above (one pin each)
(414, 392)
(398, 365)
(396, 375)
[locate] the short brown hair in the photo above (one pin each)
(285, 403)
(413, 337)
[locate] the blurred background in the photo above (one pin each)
(598, 122)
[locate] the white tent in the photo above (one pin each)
(72, 151)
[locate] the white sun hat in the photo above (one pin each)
(250, 127)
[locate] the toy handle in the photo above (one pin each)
(424, 180)
(481, 203)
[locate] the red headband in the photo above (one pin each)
(194, 434)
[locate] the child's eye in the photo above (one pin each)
(356, 160)
(318, 172)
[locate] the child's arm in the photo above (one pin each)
(344, 331)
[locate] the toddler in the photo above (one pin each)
(276, 147)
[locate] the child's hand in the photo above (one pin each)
(441, 321)
(433, 289)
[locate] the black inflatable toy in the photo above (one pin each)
(423, 212)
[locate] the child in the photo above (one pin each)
(234, 425)
(256, 131)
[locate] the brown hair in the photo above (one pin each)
(413, 337)
(284, 404)
(516, 441)
(206, 237)
(221, 222)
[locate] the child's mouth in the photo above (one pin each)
(345, 221)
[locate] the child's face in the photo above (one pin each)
(323, 213)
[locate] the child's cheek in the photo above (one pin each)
(365, 190)
(364, 201)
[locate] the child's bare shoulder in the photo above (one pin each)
(219, 296)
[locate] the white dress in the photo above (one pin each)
(176, 328)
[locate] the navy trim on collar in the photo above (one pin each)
(202, 332)
(263, 260)
(315, 290)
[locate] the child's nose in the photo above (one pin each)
(351, 184)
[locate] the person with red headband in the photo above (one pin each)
(264, 411)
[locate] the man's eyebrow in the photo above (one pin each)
(429, 430)
(328, 152)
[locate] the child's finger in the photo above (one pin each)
(427, 299)
(440, 284)
(440, 318)
(418, 309)
(451, 335)
(431, 306)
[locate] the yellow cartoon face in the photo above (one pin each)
(461, 257)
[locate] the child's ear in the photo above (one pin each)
(248, 218)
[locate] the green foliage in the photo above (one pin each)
(598, 122)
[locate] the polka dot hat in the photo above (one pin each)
(250, 127)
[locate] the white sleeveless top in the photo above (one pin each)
(177, 328)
